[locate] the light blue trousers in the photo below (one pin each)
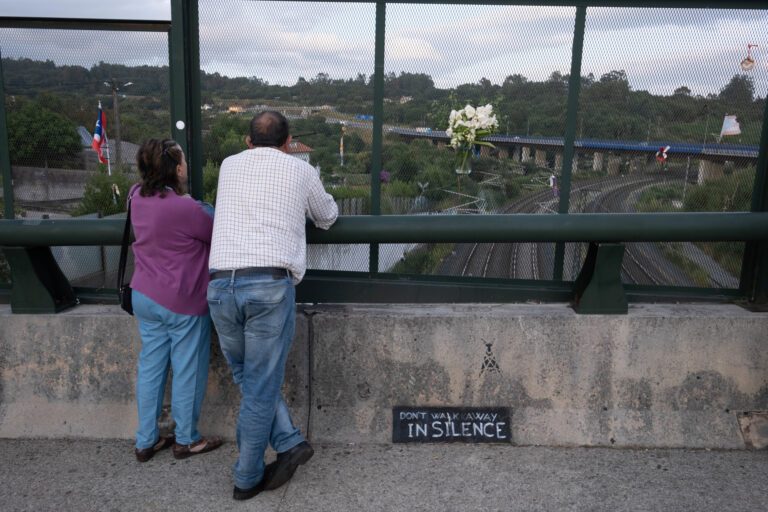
(183, 342)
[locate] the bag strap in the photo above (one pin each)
(124, 247)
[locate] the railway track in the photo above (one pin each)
(644, 262)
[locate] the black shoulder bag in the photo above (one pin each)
(124, 289)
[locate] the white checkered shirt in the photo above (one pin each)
(263, 200)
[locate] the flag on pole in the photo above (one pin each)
(661, 154)
(730, 126)
(100, 134)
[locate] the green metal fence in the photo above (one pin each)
(588, 96)
(55, 74)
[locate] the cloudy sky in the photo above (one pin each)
(660, 49)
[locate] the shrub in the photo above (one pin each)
(400, 189)
(347, 192)
(729, 194)
(100, 196)
(210, 182)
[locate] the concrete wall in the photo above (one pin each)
(53, 184)
(661, 376)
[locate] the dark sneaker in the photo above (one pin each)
(162, 443)
(205, 444)
(285, 466)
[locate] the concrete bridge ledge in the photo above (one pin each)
(679, 375)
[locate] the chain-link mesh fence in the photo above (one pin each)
(513, 58)
(670, 112)
(676, 101)
(313, 62)
(54, 82)
(639, 94)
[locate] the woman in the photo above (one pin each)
(173, 240)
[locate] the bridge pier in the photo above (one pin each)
(638, 164)
(503, 153)
(709, 170)
(525, 154)
(485, 150)
(597, 161)
(614, 163)
(541, 158)
(558, 161)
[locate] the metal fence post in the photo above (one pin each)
(378, 121)
(754, 267)
(574, 83)
(184, 63)
(5, 157)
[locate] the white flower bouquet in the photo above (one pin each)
(467, 128)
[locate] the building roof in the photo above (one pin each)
(86, 139)
(297, 147)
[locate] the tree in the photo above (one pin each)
(682, 91)
(210, 182)
(226, 137)
(558, 83)
(39, 136)
(514, 80)
(101, 197)
(615, 76)
(613, 87)
(741, 89)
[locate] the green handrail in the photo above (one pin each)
(579, 227)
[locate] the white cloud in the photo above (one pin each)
(122, 10)
(411, 49)
(85, 48)
(662, 57)
(660, 49)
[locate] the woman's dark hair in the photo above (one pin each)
(157, 160)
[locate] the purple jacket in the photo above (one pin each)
(173, 241)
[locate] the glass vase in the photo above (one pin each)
(464, 159)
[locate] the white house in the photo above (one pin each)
(299, 150)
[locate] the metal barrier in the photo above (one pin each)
(601, 263)
(39, 286)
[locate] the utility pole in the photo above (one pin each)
(116, 87)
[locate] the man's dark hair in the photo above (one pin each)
(269, 129)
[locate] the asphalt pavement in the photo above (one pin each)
(103, 475)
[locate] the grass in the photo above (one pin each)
(673, 253)
(425, 260)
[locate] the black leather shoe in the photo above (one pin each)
(245, 494)
(285, 466)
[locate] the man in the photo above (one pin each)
(258, 255)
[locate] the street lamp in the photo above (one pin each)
(116, 87)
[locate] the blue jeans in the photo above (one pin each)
(207, 208)
(255, 318)
(183, 342)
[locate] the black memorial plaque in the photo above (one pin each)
(451, 425)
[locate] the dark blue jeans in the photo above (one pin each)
(255, 317)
